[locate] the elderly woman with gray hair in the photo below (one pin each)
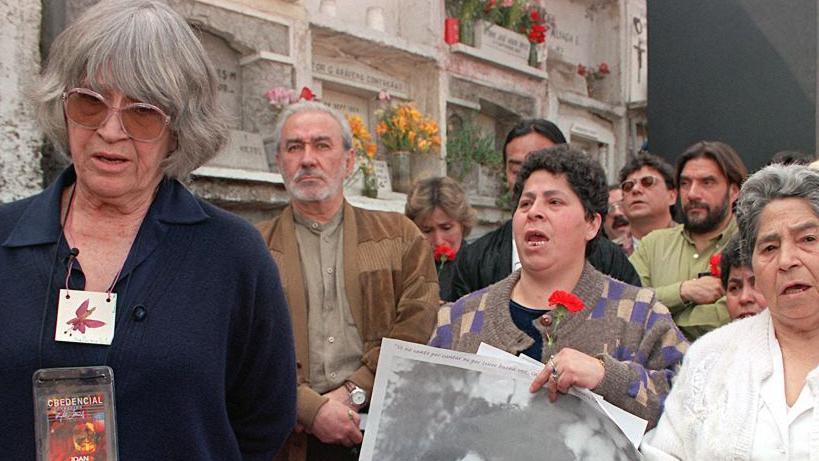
(179, 298)
(750, 390)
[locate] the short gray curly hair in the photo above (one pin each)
(147, 51)
(773, 182)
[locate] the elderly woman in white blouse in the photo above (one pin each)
(750, 390)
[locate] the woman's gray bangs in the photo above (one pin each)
(144, 57)
(771, 183)
(148, 52)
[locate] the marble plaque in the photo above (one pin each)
(382, 173)
(244, 151)
(357, 75)
(496, 39)
(229, 83)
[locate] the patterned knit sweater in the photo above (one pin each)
(624, 326)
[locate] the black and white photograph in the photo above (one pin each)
(430, 404)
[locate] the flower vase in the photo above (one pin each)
(451, 30)
(400, 172)
(533, 61)
(370, 188)
(466, 32)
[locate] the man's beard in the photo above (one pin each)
(712, 219)
(316, 193)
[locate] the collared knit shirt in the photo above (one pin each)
(624, 326)
(668, 257)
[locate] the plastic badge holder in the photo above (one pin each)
(74, 416)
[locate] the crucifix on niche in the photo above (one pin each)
(638, 28)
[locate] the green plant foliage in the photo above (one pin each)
(510, 17)
(466, 10)
(468, 147)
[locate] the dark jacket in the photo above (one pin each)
(489, 260)
(203, 359)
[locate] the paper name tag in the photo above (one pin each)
(86, 317)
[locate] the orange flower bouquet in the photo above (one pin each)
(403, 128)
(365, 150)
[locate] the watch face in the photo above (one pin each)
(358, 396)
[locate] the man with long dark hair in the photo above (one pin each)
(675, 261)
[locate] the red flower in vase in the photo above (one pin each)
(604, 68)
(582, 70)
(537, 34)
(714, 264)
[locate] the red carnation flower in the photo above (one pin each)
(604, 68)
(444, 253)
(581, 70)
(714, 264)
(534, 15)
(569, 301)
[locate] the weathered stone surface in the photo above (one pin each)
(258, 116)
(226, 63)
(242, 31)
(20, 140)
(253, 201)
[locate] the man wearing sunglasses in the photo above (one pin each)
(675, 261)
(647, 184)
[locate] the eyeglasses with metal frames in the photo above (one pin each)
(646, 182)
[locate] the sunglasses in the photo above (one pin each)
(89, 109)
(645, 181)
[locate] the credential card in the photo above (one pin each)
(74, 414)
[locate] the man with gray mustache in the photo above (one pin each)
(675, 261)
(351, 277)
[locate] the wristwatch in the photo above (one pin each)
(357, 395)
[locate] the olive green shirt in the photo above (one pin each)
(668, 257)
(335, 345)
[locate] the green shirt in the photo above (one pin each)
(668, 257)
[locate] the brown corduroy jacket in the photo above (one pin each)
(391, 287)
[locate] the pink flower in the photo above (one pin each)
(81, 322)
(507, 3)
(280, 96)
